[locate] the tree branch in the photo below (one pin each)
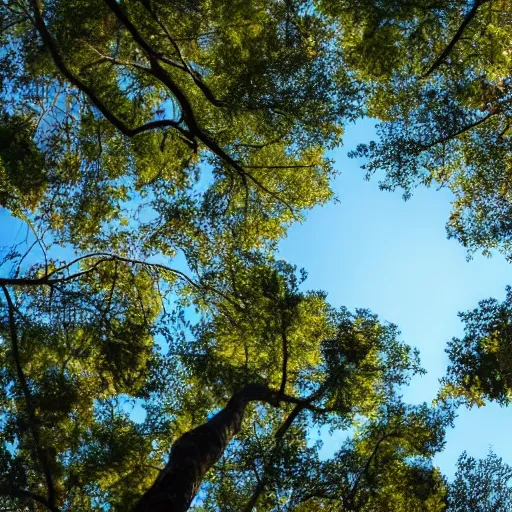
(284, 370)
(50, 43)
(196, 451)
(207, 92)
(14, 492)
(366, 468)
(292, 166)
(301, 404)
(186, 108)
(41, 452)
(104, 257)
(462, 130)
(467, 19)
(189, 135)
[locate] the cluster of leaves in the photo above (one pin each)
(480, 363)
(481, 485)
(67, 363)
(442, 92)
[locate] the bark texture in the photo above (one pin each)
(196, 451)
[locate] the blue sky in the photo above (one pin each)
(377, 251)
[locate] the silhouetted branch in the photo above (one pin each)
(207, 92)
(51, 44)
(104, 257)
(461, 131)
(186, 108)
(301, 404)
(284, 370)
(465, 22)
(14, 492)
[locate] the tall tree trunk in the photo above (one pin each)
(196, 451)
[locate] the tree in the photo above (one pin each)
(154, 130)
(226, 116)
(481, 485)
(277, 365)
(157, 151)
(480, 362)
(440, 86)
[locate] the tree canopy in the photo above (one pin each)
(481, 485)
(441, 88)
(156, 152)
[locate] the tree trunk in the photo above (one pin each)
(196, 451)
